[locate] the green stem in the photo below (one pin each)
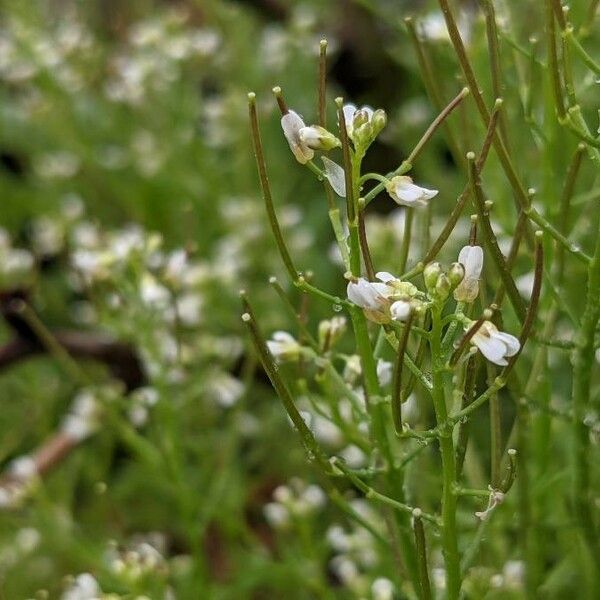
(409, 214)
(449, 500)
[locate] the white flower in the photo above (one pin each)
(471, 258)
(85, 587)
(225, 389)
(384, 300)
(277, 515)
(355, 458)
(345, 568)
(284, 346)
(384, 372)
(292, 123)
(403, 191)
(335, 175)
(495, 345)
(364, 114)
(382, 589)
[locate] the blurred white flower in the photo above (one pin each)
(382, 589)
(355, 458)
(283, 346)
(225, 389)
(57, 165)
(495, 345)
(335, 175)
(84, 587)
(384, 372)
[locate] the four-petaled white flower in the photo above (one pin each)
(283, 346)
(303, 139)
(403, 191)
(471, 258)
(367, 294)
(362, 115)
(495, 345)
(383, 300)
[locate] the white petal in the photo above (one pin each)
(274, 347)
(471, 257)
(510, 341)
(368, 110)
(408, 192)
(291, 123)
(349, 110)
(356, 294)
(385, 276)
(283, 336)
(428, 194)
(309, 135)
(335, 175)
(366, 294)
(493, 349)
(381, 288)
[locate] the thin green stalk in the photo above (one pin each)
(293, 312)
(542, 222)
(409, 214)
(571, 38)
(449, 529)
(370, 493)
(503, 155)
(491, 242)
(397, 379)
(553, 62)
(495, 68)
(322, 84)
(266, 188)
(582, 359)
(464, 196)
(495, 431)
(433, 89)
(421, 545)
(47, 339)
(309, 442)
(407, 164)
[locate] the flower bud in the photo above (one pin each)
(431, 274)
(456, 274)
(379, 121)
(361, 117)
(330, 331)
(443, 287)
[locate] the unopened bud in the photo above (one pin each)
(360, 118)
(379, 121)
(443, 286)
(456, 273)
(431, 273)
